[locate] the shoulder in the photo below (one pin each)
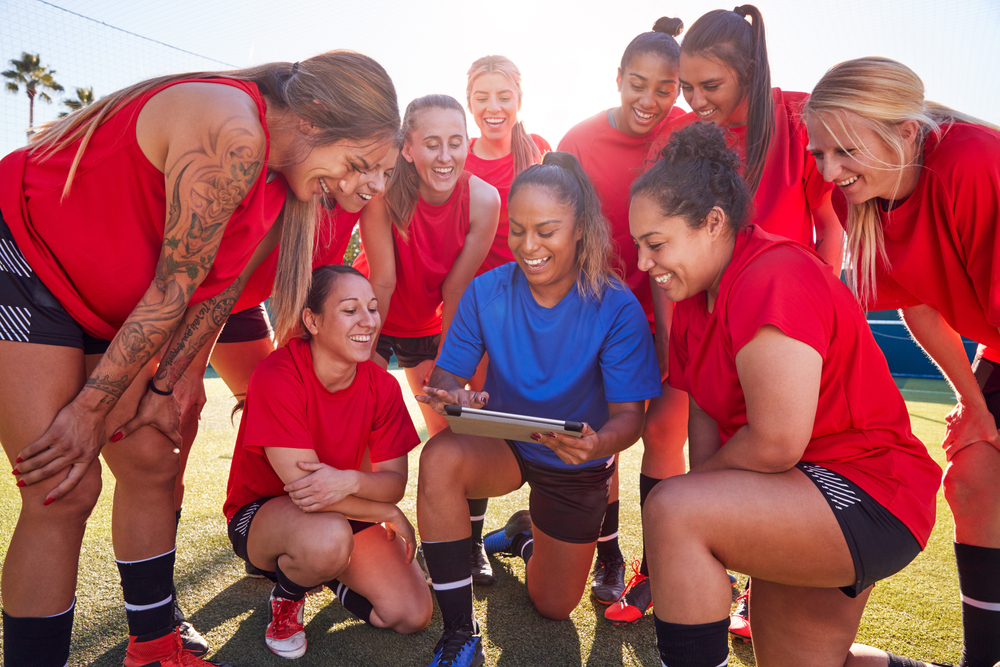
(963, 149)
(482, 194)
(278, 369)
(618, 307)
(541, 143)
(583, 133)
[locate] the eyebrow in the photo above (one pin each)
(646, 235)
(486, 92)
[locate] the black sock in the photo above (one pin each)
(354, 602)
(703, 645)
(288, 589)
(607, 543)
(148, 587)
(522, 545)
(38, 641)
(451, 572)
(900, 661)
(646, 485)
(177, 517)
(979, 582)
(477, 515)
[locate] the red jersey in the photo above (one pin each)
(791, 185)
(436, 238)
(500, 174)
(862, 429)
(97, 250)
(333, 234)
(942, 242)
(613, 160)
(287, 406)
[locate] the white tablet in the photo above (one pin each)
(470, 421)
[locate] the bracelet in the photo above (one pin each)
(160, 392)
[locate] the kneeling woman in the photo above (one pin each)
(793, 416)
(320, 462)
(565, 340)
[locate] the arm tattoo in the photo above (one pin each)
(113, 387)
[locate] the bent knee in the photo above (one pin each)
(407, 618)
(555, 610)
(441, 458)
(327, 553)
(970, 480)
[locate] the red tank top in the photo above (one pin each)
(437, 236)
(97, 250)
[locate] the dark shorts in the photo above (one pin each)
(409, 351)
(881, 545)
(246, 325)
(567, 505)
(988, 375)
(29, 313)
(239, 529)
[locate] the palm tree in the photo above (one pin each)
(30, 72)
(84, 97)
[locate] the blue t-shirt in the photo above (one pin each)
(565, 362)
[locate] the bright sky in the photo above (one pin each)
(568, 52)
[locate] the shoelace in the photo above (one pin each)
(285, 619)
(637, 578)
(453, 641)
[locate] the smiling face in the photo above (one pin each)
(852, 155)
(437, 146)
(712, 90)
(370, 184)
(544, 234)
(682, 261)
(494, 104)
(345, 330)
(648, 88)
(333, 171)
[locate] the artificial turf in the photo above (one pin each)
(915, 613)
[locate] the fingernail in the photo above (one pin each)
(15, 471)
(20, 482)
(117, 436)
(551, 434)
(48, 501)
(18, 459)
(536, 436)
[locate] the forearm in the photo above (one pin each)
(621, 431)
(449, 307)
(829, 236)
(383, 486)
(945, 348)
(442, 379)
(756, 452)
(362, 509)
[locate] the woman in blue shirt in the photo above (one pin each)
(565, 340)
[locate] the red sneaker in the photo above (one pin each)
(634, 601)
(739, 622)
(285, 634)
(167, 651)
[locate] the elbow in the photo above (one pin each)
(781, 455)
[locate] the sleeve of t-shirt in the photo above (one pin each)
(763, 295)
(890, 295)
(628, 359)
(277, 416)
(541, 143)
(464, 346)
(678, 349)
(976, 200)
(393, 434)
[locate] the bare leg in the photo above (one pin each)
(664, 434)
(557, 574)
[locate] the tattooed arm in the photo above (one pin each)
(210, 146)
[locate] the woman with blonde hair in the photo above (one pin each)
(129, 230)
(922, 187)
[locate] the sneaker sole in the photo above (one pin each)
(745, 640)
(290, 655)
(606, 603)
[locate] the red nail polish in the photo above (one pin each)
(15, 471)
(117, 436)
(18, 459)
(551, 434)
(536, 436)
(20, 482)
(48, 501)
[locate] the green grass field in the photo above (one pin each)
(915, 613)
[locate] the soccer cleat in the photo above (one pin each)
(732, 579)
(482, 571)
(193, 642)
(739, 621)
(285, 635)
(499, 541)
(608, 579)
(166, 651)
(459, 648)
(634, 601)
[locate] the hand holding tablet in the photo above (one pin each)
(471, 421)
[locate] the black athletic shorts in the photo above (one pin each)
(567, 505)
(246, 325)
(29, 312)
(881, 545)
(239, 529)
(409, 351)
(988, 375)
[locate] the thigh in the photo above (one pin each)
(279, 527)
(235, 362)
(379, 571)
(794, 626)
(557, 574)
(478, 466)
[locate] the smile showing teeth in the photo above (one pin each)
(364, 196)
(494, 121)
(644, 116)
(535, 262)
(844, 184)
(326, 190)
(664, 278)
(709, 112)
(444, 170)
(361, 338)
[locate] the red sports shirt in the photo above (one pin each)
(287, 406)
(500, 174)
(613, 160)
(791, 185)
(437, 236)
(97, 250)
(862, 429)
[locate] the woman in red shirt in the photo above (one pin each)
(612, 147)
(133, 225)
(922, 185)
(423, 241)
(794, 415)
(320, 462)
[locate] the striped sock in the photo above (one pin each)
(353, 601)
(41, 641)
(451, 572)
(477, 515)
(148, 588)
(607, 543)
(979, 582)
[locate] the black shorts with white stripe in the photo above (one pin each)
(29, 313)
(881, 545)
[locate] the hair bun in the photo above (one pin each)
(670, 26)
(701, 141)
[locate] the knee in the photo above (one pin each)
(73, 509)
(411, 616)
(969, 486)
(327, 553)
(151, 462)
(554, 610)
(670, 510)
(440, 459)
